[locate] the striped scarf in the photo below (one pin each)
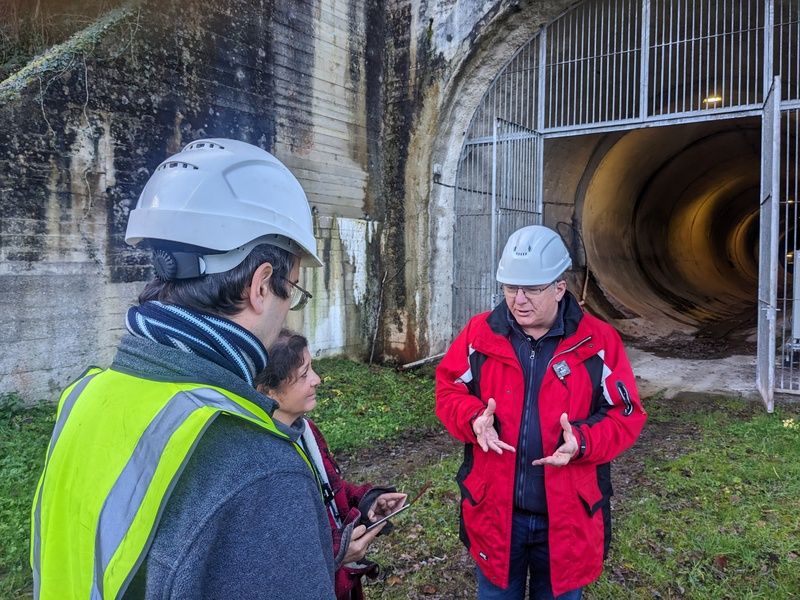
(214, 338)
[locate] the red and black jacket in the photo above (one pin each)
(589, 378)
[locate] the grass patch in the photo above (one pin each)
(423, 556)
(719, 521)
(714, 514)
(24, 434)
(358, 404)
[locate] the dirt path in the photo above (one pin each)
(388, 460)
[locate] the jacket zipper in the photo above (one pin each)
(525, 415)
(578, 345)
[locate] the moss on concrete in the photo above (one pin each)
(61, 56)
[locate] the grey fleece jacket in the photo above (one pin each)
(245, 519)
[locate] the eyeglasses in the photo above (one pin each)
(529, 292)
(300, 297)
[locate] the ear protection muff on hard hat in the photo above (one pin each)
(177, 261)
(220, 198)
(533, 255)
(176, 265)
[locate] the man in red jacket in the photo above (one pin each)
(543, 397)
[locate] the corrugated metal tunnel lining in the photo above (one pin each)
(670, 225)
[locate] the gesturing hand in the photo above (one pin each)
(565, 451)
(483, 426)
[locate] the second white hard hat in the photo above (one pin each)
(224, 197)
(534, 255)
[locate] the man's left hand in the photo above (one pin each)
(565, 451)
(386, 504)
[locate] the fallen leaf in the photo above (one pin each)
(429, 590)
(393, 580)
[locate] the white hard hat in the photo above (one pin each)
(534, 255)
(223, 198)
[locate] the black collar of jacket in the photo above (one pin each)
(498, 320)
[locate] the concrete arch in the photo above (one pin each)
(513, 26)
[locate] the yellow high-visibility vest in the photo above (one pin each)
(119, 445)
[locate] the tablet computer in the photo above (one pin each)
(389, 516)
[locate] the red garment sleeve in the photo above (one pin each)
(456, 407)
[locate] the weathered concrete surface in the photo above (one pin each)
(730, 376)
(361, 98)
(83, 126)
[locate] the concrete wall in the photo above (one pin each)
(85, 125)
(359, 97)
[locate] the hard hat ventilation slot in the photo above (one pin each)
(174, 164)
(206, 145)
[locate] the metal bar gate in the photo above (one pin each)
(610, 65)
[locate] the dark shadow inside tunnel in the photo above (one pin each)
(669, 220)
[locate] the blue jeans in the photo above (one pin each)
(529, 556)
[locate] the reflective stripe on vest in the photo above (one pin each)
(148, 448)
(63, 413)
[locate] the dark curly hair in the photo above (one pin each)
(285, 358)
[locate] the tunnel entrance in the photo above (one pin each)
(662, 136)
(669, 223)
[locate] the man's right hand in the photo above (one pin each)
(483, 426)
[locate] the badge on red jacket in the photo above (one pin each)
(562, 369)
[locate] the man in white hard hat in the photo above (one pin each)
(166, 476)
(544, 398)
